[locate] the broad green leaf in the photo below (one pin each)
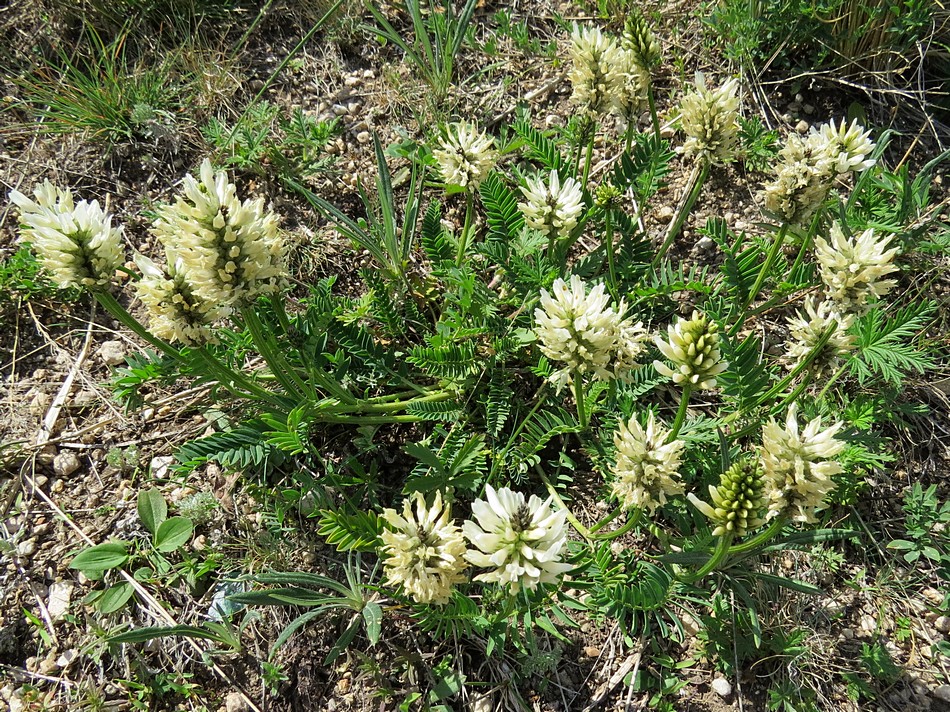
(141, 635)
(113, 598)
(173, 533)
(152, 509)
(101, 557)
(373, 618)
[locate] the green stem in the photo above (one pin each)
(834, 377)
(722, 550)
(759, 539)
(606, 520)
(288, 377)
(806, 243)
(121, 314)
(697, 179)
(680, 414)
(627, 526)
(579, 397)
(653, 116)
(609, 235)
(767, 266)
(232, 379)
(463, 240)
(390, 407)
(581, 529)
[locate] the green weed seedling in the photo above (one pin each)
(146, 556)
(926, 521)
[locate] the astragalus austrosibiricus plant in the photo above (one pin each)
(646, 469)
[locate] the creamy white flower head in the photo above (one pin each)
(646, 471)
(521, 540)
(551, 207)
(465, 156)
(847, 145)
(806, 330)
(803, 177)
(597, 69)
(798, 466)
(582, 331)
(230, 251)
(709, 119)
(852, 268)
(693, 347)
(631, 343)
(737, 500)
(424, 551)
(175, 312)
(75, 242)
(630, 92)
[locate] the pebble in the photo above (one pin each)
(808, 109)
(59, 594)
(26, 548)
(339, 110)
(67, 658)
(39, 403)
(65, 464)
(942, 692)
(47, 455)
(363, 137)
(664, 214)
(234, 702)
(592, 652)
(722, 687)
(112, 353)
(802, 126)
(942, 624)
(868, 624)
(158, 467)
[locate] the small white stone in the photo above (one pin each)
(363, 137)
(664, 214)
(59, 594)
(158, 467)
(67, 658)
(26, 548)
(112, 353)
(802, 126)
(65, 464)
(942, 692)
(234, 702)
(722, 687)
(942, 624)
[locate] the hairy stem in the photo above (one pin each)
(463, 239)
(680, 413)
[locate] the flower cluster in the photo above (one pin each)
(176, 313)
(693, 347)
(580, 330)
(806, 330)
(465, 156)
(852, 268)
(737, 500)
(597, 70)
(798, 466)
(639, 40)
(75, 242)
(521, 540)
(809, 165)
(425, 551)
(552, 207)
(646, 471)
(228, 251)
(709, 120)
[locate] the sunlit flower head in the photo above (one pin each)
(847, 145)
(521, 540)
(552, 207)
(596, 69)
(798, 466)
(465, 156)
(806, 329)
(582, 331)
(737, 501)
(852, 268)
(646, 471)
(693, 347)
(230, 251)
(709, 119)
(75, 242)
(630, 95)
(175, 312)
(424, 551)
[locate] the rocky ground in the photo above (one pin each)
(74, 460)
